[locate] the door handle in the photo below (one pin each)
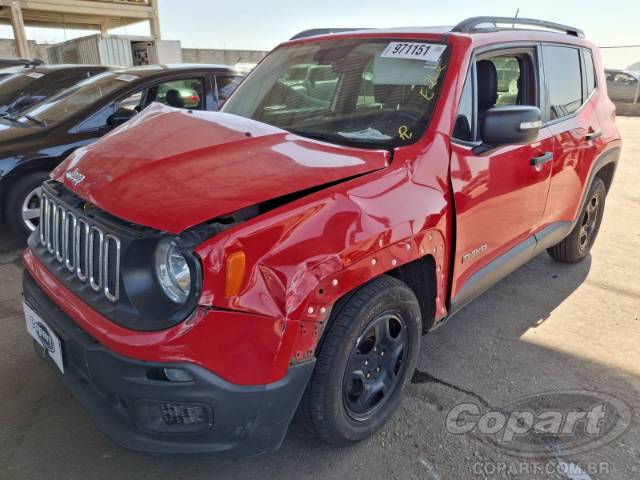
(542, 159)
(593, 135)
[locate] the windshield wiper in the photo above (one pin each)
(314, 135)
(15, 118)
(37, 120)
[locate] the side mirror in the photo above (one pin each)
(24, 102)
(122, 115)
(510, 125)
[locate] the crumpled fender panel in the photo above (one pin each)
(305, 255)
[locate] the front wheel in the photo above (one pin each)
(22, 209)
(364, 363)
(579, 242)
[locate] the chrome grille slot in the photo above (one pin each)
(81, 248)
(58, 232)
(69, 236)
(43, 208)
(96, 246)
(84, 249)
(112, 267)
(50, 219)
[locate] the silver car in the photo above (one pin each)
(623, 85)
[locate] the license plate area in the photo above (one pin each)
(44, 335)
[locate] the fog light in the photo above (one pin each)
(177, 375)
(182, 414)
(174, 416)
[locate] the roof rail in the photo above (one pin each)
(323, 31)
(16, 62)
(472, 24)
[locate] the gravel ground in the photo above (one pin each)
(546, 328)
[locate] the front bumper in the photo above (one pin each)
(124, 397)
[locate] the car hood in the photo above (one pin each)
(171, 169)
(11, 132)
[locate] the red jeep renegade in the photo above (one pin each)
(199, 277)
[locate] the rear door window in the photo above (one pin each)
(564, 80)
(183, 93)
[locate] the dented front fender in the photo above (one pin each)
(303, 256)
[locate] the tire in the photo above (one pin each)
(578, 243)
(328, 406)
(16, 197)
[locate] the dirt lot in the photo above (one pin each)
(546, 328)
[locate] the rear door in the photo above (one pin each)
(499, 195)
(571, 116)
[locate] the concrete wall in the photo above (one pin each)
(8, 49)
(628, 109)
(227, 57)
(189, 55)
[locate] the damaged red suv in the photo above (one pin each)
(199, 277)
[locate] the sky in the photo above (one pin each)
(261, 25)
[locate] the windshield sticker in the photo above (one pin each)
(126, 77)
(431, 81)
(427, 52)
(35, 75)
(400, 71)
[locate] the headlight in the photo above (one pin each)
(173, 271)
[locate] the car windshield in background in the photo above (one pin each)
(76, 98)
(13, 83)
(371, 93)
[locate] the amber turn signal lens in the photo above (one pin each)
(234, 274)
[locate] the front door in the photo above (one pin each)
(499, 192)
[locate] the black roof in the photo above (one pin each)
(151, 70)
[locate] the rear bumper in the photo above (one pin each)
(128, 406)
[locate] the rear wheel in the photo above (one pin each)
(364, 363)
(22, 210)
(579, 242)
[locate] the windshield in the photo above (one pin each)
(13, 84)
(370, 93)
(78, 97)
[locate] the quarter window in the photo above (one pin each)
(589, 71)
(463, 129)
(564, 81)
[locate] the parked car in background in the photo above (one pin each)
(35, 140)
(24, 86)
(315, 81)
(197, 278)
(623, 85)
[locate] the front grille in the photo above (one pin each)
(83, 248)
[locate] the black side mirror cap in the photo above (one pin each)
(514, 124)
(122, 115)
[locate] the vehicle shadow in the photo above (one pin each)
(11, 245)
(479, 353)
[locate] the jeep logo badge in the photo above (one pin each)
(75, 177)
(44, 336)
